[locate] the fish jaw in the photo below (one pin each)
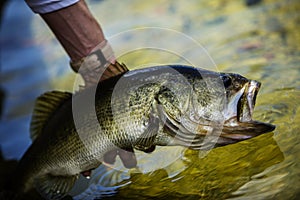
(246, 130)
(247, 102)
(241, 105)
(242, 126)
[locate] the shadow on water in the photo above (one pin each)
(215, 176)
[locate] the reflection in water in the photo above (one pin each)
(215, 176)
(260, 42)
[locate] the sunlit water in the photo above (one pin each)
(260, 42)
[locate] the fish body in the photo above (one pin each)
(136, 110)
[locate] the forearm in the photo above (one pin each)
(81, 36)
(76, 29)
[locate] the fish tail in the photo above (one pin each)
(54, 187)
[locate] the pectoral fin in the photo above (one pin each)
(54, 187)
(127, 157)
(146, 140)
(110, 156)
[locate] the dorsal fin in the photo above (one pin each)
(113, 70)
(45, 106)
(91, 76)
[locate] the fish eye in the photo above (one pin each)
(237, 85)
(226, 81)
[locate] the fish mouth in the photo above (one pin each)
(243, 126)
(240, 126)
(246, 103)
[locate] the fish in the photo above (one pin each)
(137, 110)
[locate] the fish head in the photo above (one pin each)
(241, 94)
(217, 110)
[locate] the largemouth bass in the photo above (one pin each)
(136, 110)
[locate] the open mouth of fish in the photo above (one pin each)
(243, 126)
(246, 103)
(239, 126)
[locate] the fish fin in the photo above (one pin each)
(122, 68)
(127, 157)
(110, 156)
(146, 141)
(54, 187)
(91, 76)
(114, 70)
(45, 106)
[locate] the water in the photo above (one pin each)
(260, 42)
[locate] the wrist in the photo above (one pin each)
(101, 56)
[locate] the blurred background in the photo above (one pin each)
(258, 39)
